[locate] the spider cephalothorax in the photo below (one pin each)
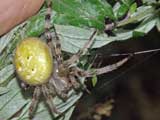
(41, 65)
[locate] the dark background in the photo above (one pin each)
(134, 87)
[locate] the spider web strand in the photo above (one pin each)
(127, 70)
(137, 53)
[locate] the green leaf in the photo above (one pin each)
(127, 2)
(35, 26)
(82, 12)
(6, 72)
(122, 10)
(149, 1)
(7, 38)
(133, 8)
(73, 38)
(138, 34)
(141, 13)
(146, 25)
(158, 24)
(116, 8)
(14, 99)
(4, 40)
(3, 90)
(94, 80)
(8, 43)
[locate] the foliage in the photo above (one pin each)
(75, 21)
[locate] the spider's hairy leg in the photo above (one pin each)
(51, 89)
(35, 99)
(49, 101)
(76, 85)
(47, 22)
(79, 73)
(82, 51)
(48, 25)
(58, 50)
(107, 68)
(60, 85)
(56, 47)
(75, 76)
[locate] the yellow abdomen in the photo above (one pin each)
(33, 61)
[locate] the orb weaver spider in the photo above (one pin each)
(50, 75)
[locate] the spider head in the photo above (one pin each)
(33, 61)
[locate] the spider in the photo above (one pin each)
(51, 75)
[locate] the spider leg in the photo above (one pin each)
(56, 48)
(48, 25)
(60, 85)
(107, 68)
(48, 97)
(75, 81)
(60, 88)
(47, 21)
(76, 73)
(34, 102)
(51, 89)
(82, 51)
(76, 85)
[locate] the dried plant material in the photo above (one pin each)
(103, 109)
